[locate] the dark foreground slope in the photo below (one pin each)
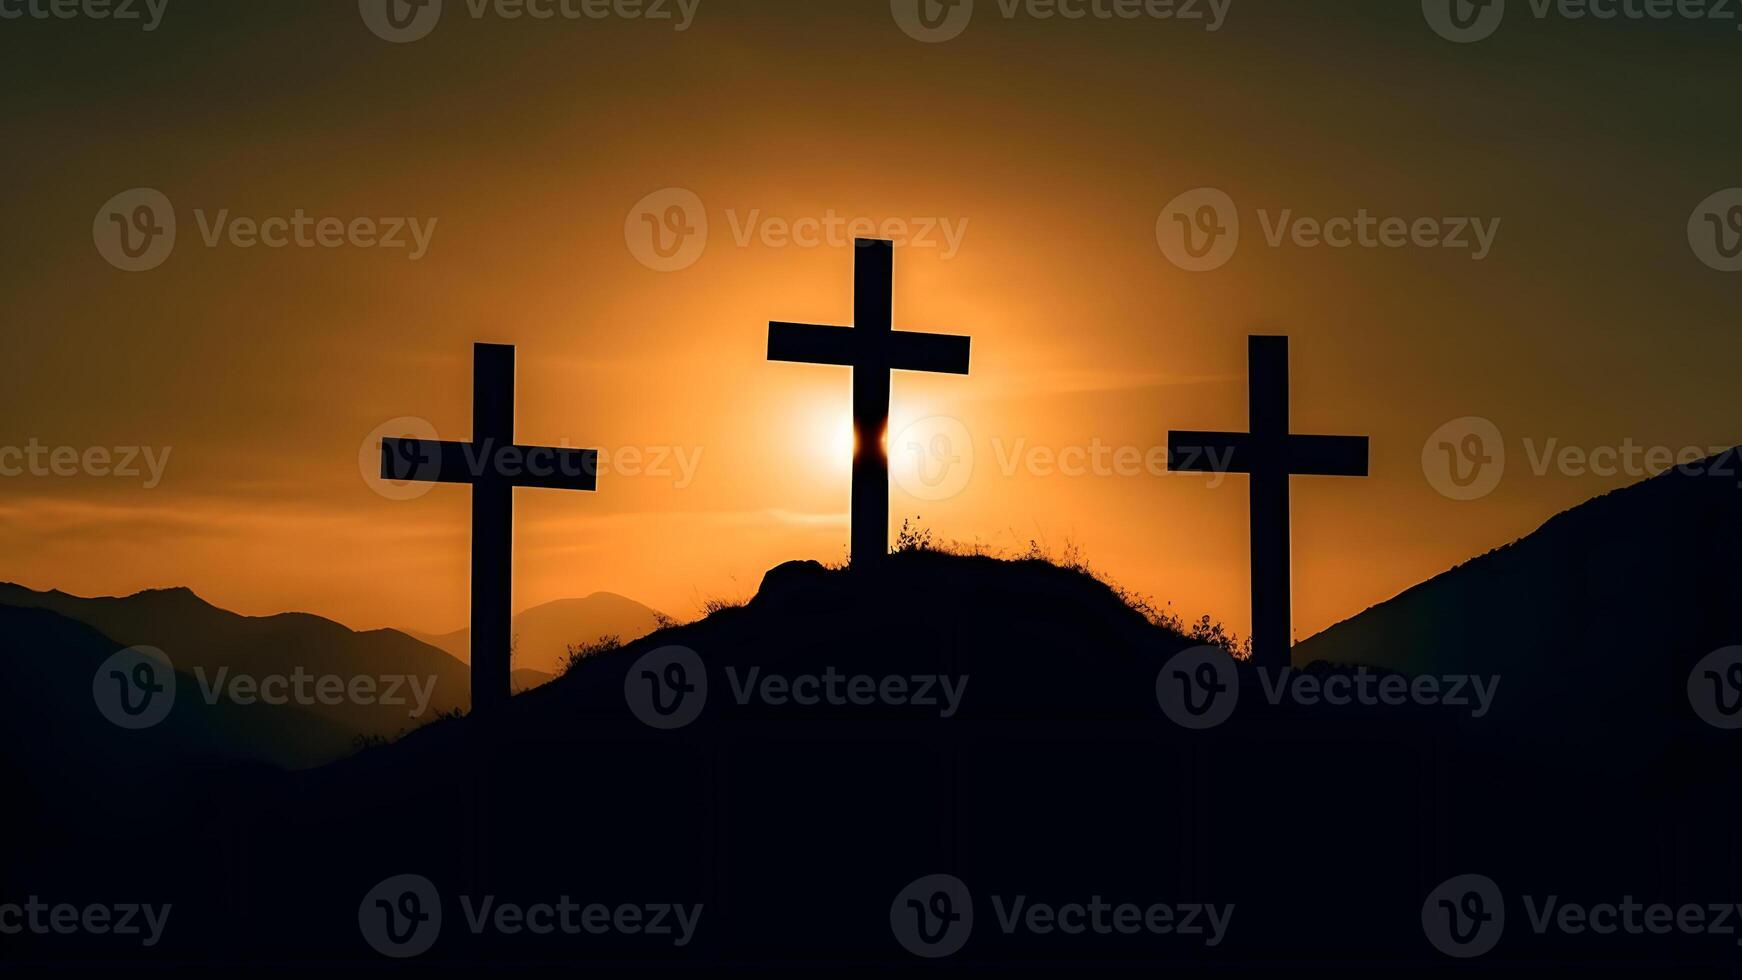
(1057, 778)
(1595, 620)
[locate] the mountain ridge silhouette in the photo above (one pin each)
(1632, 586)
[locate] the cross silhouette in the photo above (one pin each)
(872, 349)
(1270, 454)
(494, 466)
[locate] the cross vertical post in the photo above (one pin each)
(873, 319)
(492, 531)
(493, 466)
(1270, 454)
(872, 349)
(1272, 586)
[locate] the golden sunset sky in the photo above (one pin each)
(1049, 146)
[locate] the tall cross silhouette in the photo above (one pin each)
(1270, 454)
(494, 466)
(872, 349)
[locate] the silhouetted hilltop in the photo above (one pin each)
(846, 733)
(1594, 620)
(213, 647)
(544, 633)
